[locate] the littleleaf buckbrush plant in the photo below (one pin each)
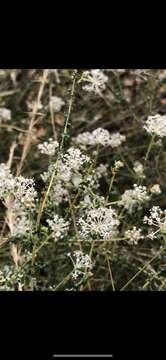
(98, 222)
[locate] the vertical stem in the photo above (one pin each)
(111, 184)
(60, 149)
(32, 122)
(149, 149)
(110, 272)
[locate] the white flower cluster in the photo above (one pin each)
(155, 189)
(118, 164)
(95, 80)
(139, 169)
(58, 193)
(155, 215)
(47, 174)
(91, 202)
(70, 164)
(7, 181)
(134, 197)
(99, 172)
(82, 263)
(48, 148)
(21, 224)
(10, 276)
(64, 171)
(18, 219)
(74, 158)
(133, 235)
(76, 180)
(58, 226)
(100, 136)
(32, 104)
(67, 165)
(5, 114)
(101, 222)
(116, 139)
(21, 188)
(25, 191)
(156, 125)
(102, 170)
(157, 219)
(56, 103)
(18, 195)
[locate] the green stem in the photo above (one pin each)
(149, 149)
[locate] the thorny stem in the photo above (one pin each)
(69, 109)
(60, 149)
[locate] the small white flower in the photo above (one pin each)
(25, 191)
(58, 226)
(157, 219)
(96, 81)
(133, 235)
(134, 197)
(58, 193)
(116, 139)
(76, 180)
(5, 114)
(56, 103)
(155, 189)
(83, 139)
(96, 174)
(102, 222)
(74, 158)
(100, 136)
(7, 181)
(82, 263)
(47, 174)
(155, 215)
(102, 170)
(48, 148)
(118, 164)
(64, 172)
(156, 125)
(82, 260)
(139, 169)
(21, 225)
(32, 104)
